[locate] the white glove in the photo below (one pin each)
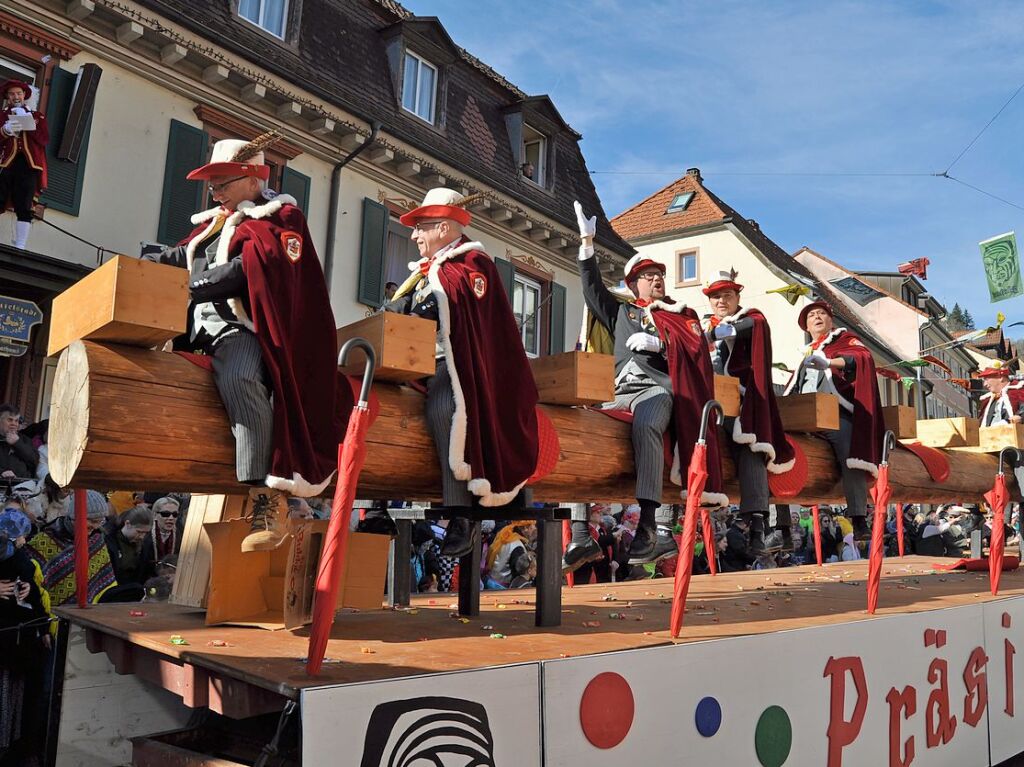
(725, 330)
(12, 129)
(816, 360)
(643, 342)
(588, 228)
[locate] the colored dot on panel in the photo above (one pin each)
(708, 716)
(773, 737)
(606, 710)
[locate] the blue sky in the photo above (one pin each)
(737, 88)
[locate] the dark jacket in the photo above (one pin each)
(737, 554)
(21, 458)
(131, 565)
(21, 646)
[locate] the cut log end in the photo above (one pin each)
(69, 413)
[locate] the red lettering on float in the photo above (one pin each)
(940, 725)
(841, 731)
(902, 705)
(976, 682)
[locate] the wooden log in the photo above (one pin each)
(138, 419)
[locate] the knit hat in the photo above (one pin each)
(14, 524)
(95, 505)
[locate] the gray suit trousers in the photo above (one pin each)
(652, 412)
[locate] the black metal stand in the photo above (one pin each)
(549, 573)
(469, 576)
(401, 568)
(56, 701)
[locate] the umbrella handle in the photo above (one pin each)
(888, 444)
(1002, 454)
(371, 363)
(709, 406)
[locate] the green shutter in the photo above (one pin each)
(186, 150)
(297, 185)
(372, 248)
(557, 327)
(507, 273)
(64, 191)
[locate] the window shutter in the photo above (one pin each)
(373, 246)
(186, 150)
(507, 273)
(297, 185)
(64, 191)
(557, 333)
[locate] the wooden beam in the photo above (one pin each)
(434, 180)
(322, 126)
(109, 402)
(352, 141)
(253, 92)
(289, 110)
(215, 73)
(129, 32)
(79, 9)
(381, 155)
(521, 224)
(408, 169)
(172, 53)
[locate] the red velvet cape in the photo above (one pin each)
(290, 313)
(31, 143)
(759, 424)
(1014, 393)
(494, 442)
(693, 385)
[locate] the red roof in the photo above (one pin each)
(651, 216)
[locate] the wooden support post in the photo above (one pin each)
(401, 569)
(469, 576)
(549, 573)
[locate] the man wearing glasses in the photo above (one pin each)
(663, 377)
(260, 309)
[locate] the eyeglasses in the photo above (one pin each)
(166, 514)
(215, 188)
(422, 226)
(650, 276)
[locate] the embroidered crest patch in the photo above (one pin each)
(292, 243)
(479, 283)
(855, 342)
(695, 327)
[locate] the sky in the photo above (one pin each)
(776, 102)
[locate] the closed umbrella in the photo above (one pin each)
(708, 531)
(997, 498)
(351, 456)
(880, 494)
(81, 548)
(816, 519)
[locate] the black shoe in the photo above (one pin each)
(578, 554)
(652, 546)
(378, 524)
(459, 539)
(787, 538)
(861, 531)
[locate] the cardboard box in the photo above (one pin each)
(404, 346)
(992, 439)
(274, 589)
(809, 412)
(901, 420)
(948, 432)
(574, 378)
(125, 301)
(727, 392)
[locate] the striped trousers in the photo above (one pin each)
(652, 412)
(244, 387)
(439, 411)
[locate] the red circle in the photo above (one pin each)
(606, 710)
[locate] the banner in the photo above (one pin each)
(1002, 267)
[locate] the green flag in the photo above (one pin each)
(1002, 267)
(908, 382)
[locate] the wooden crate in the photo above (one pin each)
(404, 346)
(992, 439)
(574, 378)
(901, 420)
(809, 412)
(125, 301)
(948, 432)
(727, 392)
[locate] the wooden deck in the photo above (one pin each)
(429, 638)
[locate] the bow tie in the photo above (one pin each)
(641, 302)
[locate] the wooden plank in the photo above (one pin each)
(727, 392)
(574, 378)
(948, 432)
(193, 575)
(404, 346)
(901, 420)
(126, 301)
(809, 412)
(992, 439)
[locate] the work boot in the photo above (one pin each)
(787, 538)
(861, 531)
(652, 545)
(578, 554)
(459, 538)
(268, 510)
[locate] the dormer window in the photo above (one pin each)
(535, 156)
(269, 15)
(679, 202)
(419, 87)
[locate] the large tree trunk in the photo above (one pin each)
(135, 419)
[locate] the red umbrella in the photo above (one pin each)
(880, 497)
(697, 476)
(570, 578)
(997, 498)
(708, 530)
(81, 548)
(351, 456)
(899, 529)
(817, 532)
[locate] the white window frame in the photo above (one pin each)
(528, 283)
(420, 63)
(681, 280)
(540, 168)
(261, 23)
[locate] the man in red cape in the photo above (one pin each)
(481, 401)
(22, 157)
(259, 307)
(1003, 402)
(839, 363)
(663, 377)
(741, 346)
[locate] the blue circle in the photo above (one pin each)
(708, 717)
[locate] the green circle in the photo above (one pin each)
(773, 737)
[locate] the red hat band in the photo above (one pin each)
(718, 287)
(216, 169)
(994, 373)
(455, 213)
(643, 265)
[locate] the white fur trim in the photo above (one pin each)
(741, 437)
(857, 463)
(707, 498)
(193, 244)
(298, 486)
(250, 209)
(227, 234)
(677, 307)
(733, 317)
(206, 215)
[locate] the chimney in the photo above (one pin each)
(695, 172)
(754, 224)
